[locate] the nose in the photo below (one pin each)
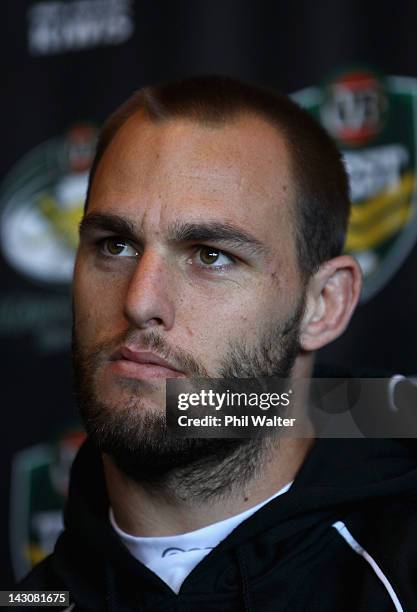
(148, 301)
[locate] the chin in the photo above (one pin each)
(137, 394)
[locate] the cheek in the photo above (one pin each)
(98, 306)
(212, 322)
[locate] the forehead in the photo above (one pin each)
(157, 172)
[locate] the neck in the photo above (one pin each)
(143, 511)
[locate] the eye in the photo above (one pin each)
(211, 258)
(117, 247)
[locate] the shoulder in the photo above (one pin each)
(43, 577)
(385, 537)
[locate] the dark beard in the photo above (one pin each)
(140, 444)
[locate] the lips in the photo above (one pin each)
(142, 365)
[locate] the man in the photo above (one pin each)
(211, 247)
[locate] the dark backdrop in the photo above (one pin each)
(67, 64)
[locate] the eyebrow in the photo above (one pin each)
(214, 231)
(177, 232)
(108, 223)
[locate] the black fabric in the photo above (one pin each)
(287, 556)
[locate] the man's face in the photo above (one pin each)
(187, 254)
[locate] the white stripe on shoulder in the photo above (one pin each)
(348, 537)
(70, 608)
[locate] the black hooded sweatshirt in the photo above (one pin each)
(342, 539)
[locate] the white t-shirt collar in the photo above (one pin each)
(172, 558)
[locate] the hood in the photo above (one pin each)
(338, 478)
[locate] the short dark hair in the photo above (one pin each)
(319, 177)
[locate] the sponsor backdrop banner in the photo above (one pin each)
(71, 62)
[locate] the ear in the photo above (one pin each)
(332, 295)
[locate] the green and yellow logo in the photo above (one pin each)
(373, 119)
(40, 478)
(41, 202)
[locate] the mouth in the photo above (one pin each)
(130, 363)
